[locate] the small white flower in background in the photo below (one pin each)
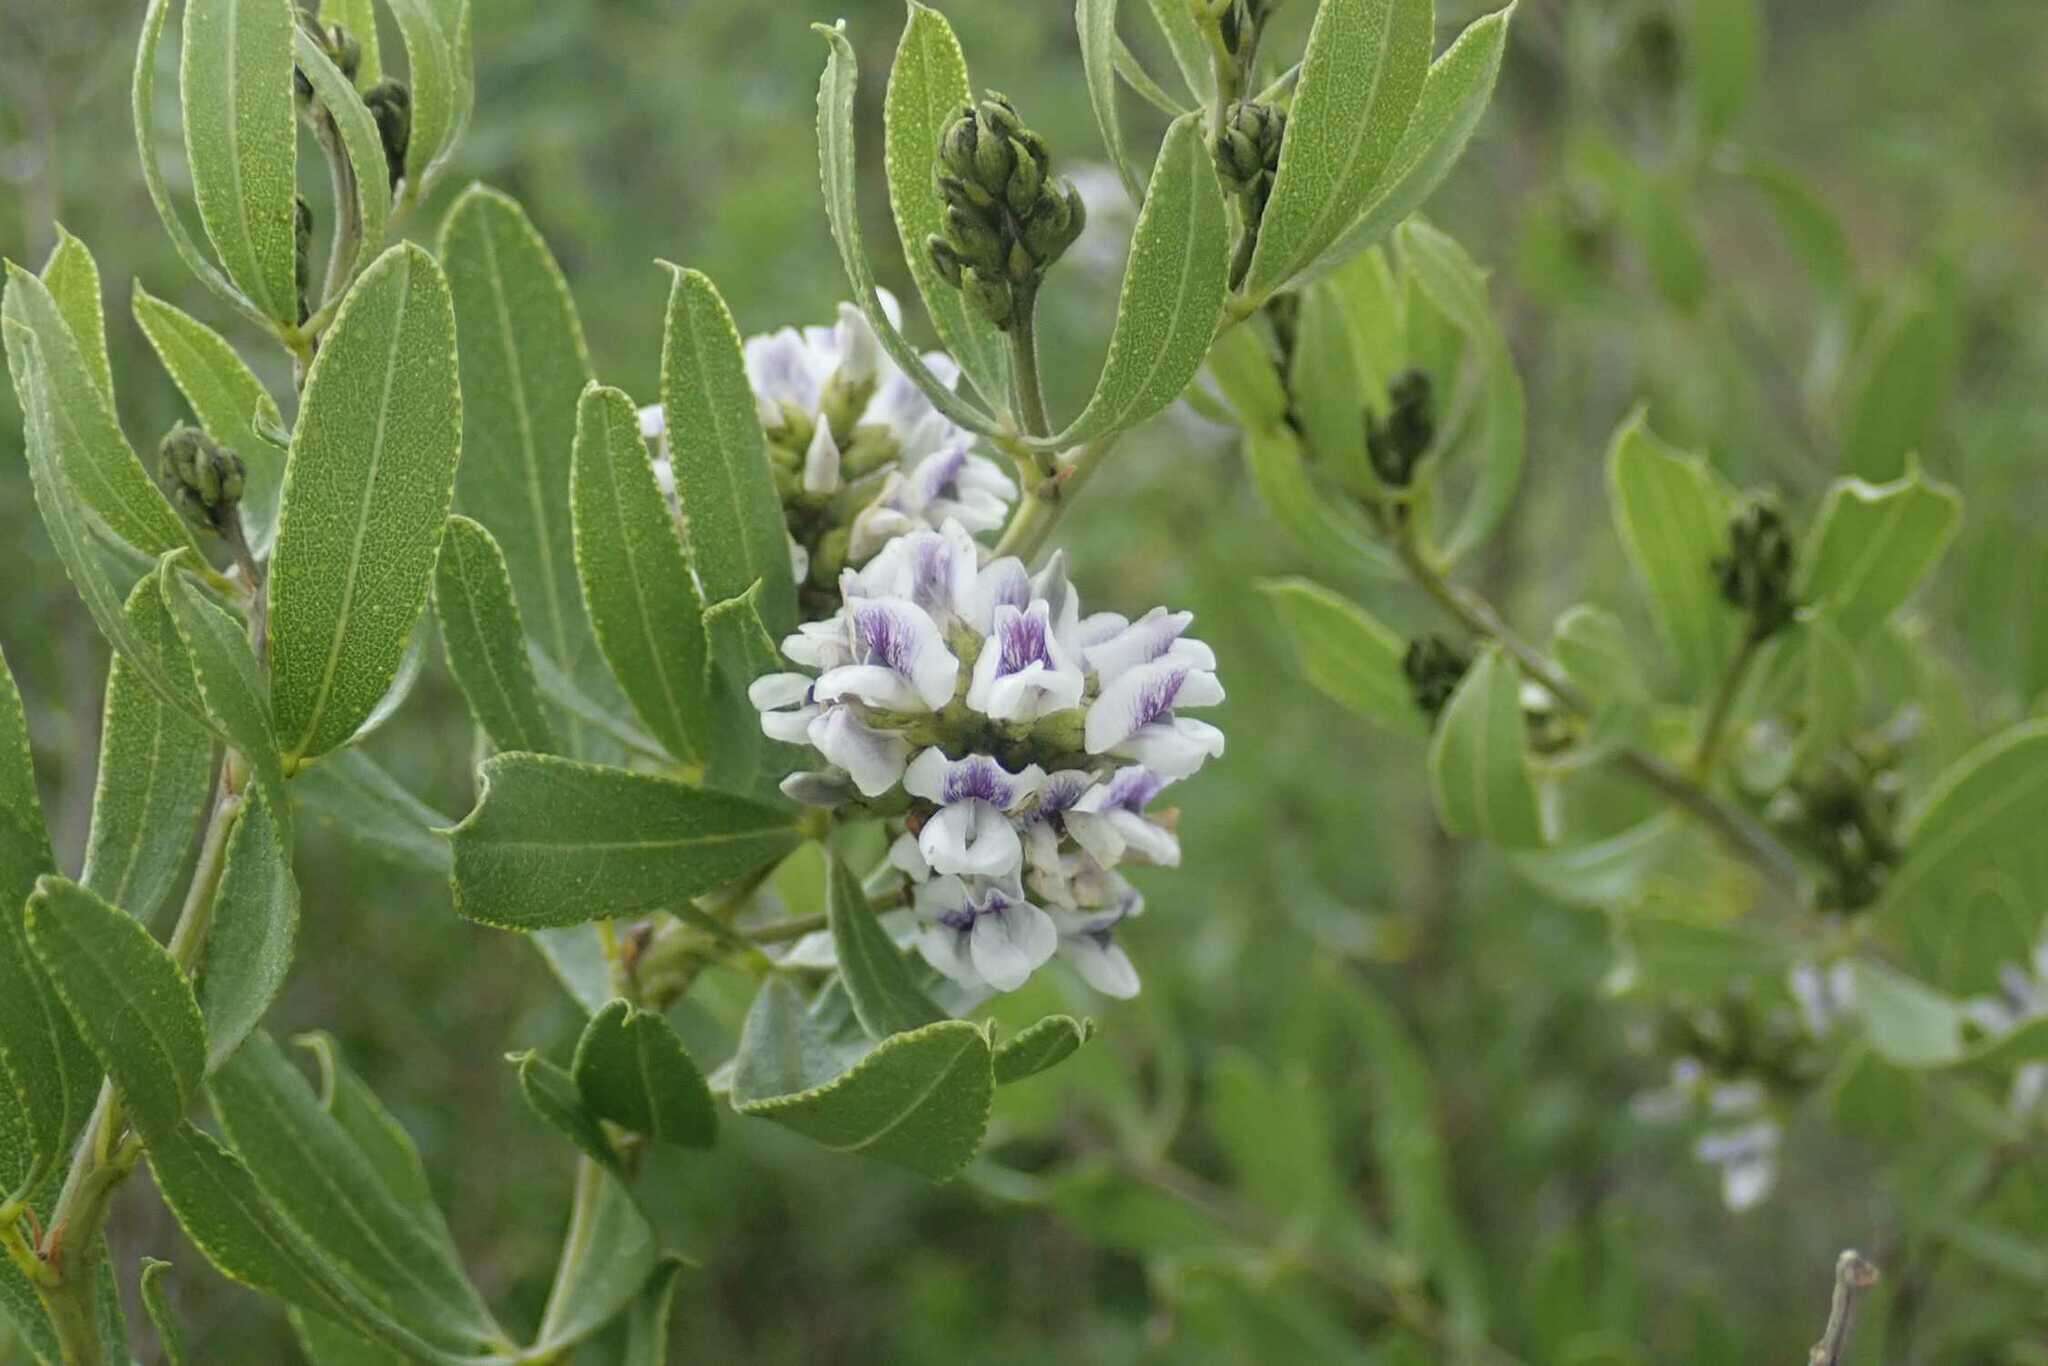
(1021, 740)
(1825, 997)
(1740, 1137)
(2022, 996)
(1748, 1158)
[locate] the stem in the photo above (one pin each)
(1741, 834)
(1723, 706)
(1027, 391)
(1853, 1276)
(1042, 506)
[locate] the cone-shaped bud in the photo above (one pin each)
(390, 103)
(1756, 573)
(202, 479)
(1434, 667)
(1397, 442)
(990, 294)
(945, 260)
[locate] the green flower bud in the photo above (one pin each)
(999, 116)
(994, 158)
(956, 146)
(202, 479)
(1022, 269)
(944, 259)
(1248, 149)
(343, 50)
(1396, 444)
(977, 243)
(990, 294)
(1055, 225)
(390, 103)
(966, 196)
(1756, 573)
(302, 264)
(1026, 180)
(1434, 667)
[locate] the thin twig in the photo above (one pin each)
(1853, 1276)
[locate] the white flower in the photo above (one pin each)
(1087, 940)
(1109, 821)
(983, 933)
(874, 759)
(2023, 997)
(1022, 672)
(899, 662)
(971, 833)
(1748, 1159)
(1136, 708)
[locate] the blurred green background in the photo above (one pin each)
(1632, 263)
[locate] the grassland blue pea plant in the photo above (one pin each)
(778, 676)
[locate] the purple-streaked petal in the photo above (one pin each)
(873, 759)
(999, 583)
(935, 778)
(946, 949)
(1172, 749)
(1143, 641)
(781, 368)
(1143, 695)
(897, 637)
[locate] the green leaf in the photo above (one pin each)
(1348, 656)
(928, 86)
(632, 1069)
(1660, 956)
(523, 367)
(360, 140)
(255, 928)
(87, 443)
(1241, 364)
(1810, 228)
(130, 1002)
(1095, 22)
(1350, 341)
(228, 680)
(1045, 1044)
(742, 759)
(560, 689)
(1457, 287)
(350, 796)
(1335, 536)
(366, 492)
(374, 1131)
(1909, 1024)
(1365, 68)
(1724, 48)
(886, 997)
(1172, 292)
(1592, 647)
(642, 1332)
(839, 178)
(1894, 390)
(170, 1335)
(229, 401)
(1832, 693)
(359, 17)
(1176, 20)
(1454, 97)
(242, 142)
(553, 842)
(155, 775)
(1672, 512)
(485, 639)
(73, 279)
(551, 1093)
(727, 491)
(51, 1076)
(1872, 545)
(437, 68)
(1971, 892)
(311, 1170)
(637, 586)
(1273, 1132)
(327, 1343)
(1602, 872)
(1478, 759)
(240, 1229)
(918, 1100)
(1134, 74)
(605, 1264)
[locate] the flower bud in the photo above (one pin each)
(990, 294)
(1434, 667)
(966, 196)
(999, 116)
(203, 480)
(1026, 180)
(944, 259)
(976, 242)
(343, 49)
(1756, 573)
(956, 145)
(1397, 443)
(390, 103)
(302, 261)
(994, 158)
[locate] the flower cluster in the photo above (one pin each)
(2022, 997)
(859, 452)
(1018, 741)
(1740, 1135)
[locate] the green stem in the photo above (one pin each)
(1041, 508)
(1739, 832)
(1027, 390)
(1723, 706)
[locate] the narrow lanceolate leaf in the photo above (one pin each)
(645, 1336)
(1895, 387)
(242, 142)
(432, 64)
(1051, 1041)
(928, 86)
(637, 586)
(243, 1233)
(170, 1334)
(229, 681)
(155, 775)
(741, 758)
(255, 928)
(1364, 70)
(359, 17)
(486, 640)
(919, 1100)
(551, 1093)
(1970, 893)
(50, 1076)
(1478, 759)
(523, 368)
(723, 482)
(350, 796)
(311, 1168)
(1346, 654)
(839, 178)
(1176, 20)
(632, 1070)
(366, 493)
(1172, 293)
(229, 401)
(1672, 513)
(553, 842)
(327, 1343)
(595, 1281)
(73, 279)
(1095, 22)
(359, 139)
(1872, 545)
(127, 997)
(376, 1133)
(1604, 872)
(886, 997)
(1335, 534)
(86, 441)
(1591, 645)
(1456, 286)
(1454, 98)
